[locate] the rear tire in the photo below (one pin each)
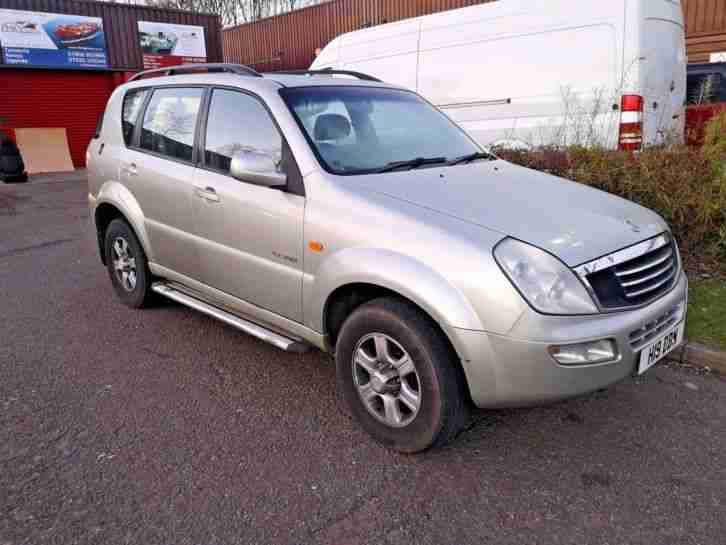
(127, 265)
(399, 376)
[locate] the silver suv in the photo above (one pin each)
(321, 210)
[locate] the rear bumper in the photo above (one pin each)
(517, 370)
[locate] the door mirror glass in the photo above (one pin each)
(256, 168)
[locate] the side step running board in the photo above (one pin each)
(275, 339)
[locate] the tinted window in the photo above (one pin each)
(130, 113)
(706, 88)
(239, 122)
(357, 130)
(170, 121)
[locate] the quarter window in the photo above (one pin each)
(133, 100)
(237, 123)
(170, 121)
(706, 88)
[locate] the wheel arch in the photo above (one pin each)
(115, 201)
(345, 299)
(357, 275)
(401, 274)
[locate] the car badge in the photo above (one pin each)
(633, 226)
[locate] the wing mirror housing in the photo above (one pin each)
(256, 168)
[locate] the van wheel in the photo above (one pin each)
(399, 377)
(127, 265)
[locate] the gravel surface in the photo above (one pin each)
(164, 426)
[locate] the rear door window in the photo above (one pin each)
(133, 100)
(170, 122)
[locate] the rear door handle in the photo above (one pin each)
(208, 193)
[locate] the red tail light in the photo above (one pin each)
(631, 123)
(632, 103)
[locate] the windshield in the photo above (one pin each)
(358, 130)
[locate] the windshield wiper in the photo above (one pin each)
(478, 156)
(412, 163)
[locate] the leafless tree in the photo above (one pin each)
(232, 12)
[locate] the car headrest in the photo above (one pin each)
(331, 127)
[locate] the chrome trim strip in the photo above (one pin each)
(621, 256)
(638, 334)
(651, 276)
(640, 337)
(239, 307)
(651, 288)
(644, 339)
(255, 330)
(495, 102)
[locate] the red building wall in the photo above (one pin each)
(72, 99)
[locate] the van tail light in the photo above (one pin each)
(631, 123)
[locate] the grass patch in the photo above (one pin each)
(707, 312)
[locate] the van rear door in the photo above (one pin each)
(663, 42)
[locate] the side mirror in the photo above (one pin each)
(256, 168)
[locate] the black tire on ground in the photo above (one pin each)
(444, 406)
(19, 179)
(134, 292)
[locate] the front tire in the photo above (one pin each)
(127, 265)
(399, 376)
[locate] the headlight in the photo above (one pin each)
(542, 279)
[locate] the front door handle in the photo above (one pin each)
(130, 169)
(208, 193)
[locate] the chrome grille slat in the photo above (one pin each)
(647, 266)
(651, 276)
(655, 286)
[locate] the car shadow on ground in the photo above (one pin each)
(624, 418)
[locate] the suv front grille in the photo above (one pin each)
(636, 281)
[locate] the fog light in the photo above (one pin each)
(585, 353)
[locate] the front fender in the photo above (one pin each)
(117, 195)
(397, 272)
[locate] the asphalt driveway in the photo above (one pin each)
(164, 426)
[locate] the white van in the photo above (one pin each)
(538, 72)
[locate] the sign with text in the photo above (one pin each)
(165, 44)
(718, 57)
(52, 40)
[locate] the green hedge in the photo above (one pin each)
(687, 186)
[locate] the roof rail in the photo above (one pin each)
(240, 69)
(329, 72)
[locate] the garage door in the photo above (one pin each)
(56, 99)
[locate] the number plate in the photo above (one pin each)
(661, 347)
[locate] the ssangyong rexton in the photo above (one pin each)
(353, 216)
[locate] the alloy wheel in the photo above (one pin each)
(386, 380)
(124, 264)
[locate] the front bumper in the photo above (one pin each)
(516, 370)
